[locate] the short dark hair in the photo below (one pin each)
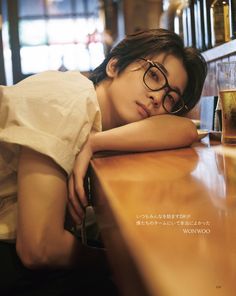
(155, 41)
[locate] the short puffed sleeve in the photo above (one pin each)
(52, 112)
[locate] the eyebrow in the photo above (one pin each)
(167, 74)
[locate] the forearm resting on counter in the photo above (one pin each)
(154, 133)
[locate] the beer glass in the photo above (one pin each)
(226, 80)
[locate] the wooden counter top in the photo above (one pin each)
(168, 220)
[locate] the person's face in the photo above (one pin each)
(131, 100)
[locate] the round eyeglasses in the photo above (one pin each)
(155, 80)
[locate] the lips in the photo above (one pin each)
(143, 110)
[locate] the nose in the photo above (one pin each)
(157, 97)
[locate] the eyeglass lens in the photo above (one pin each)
(155, 80)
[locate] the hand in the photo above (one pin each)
(77, 196)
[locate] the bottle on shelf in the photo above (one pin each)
(220, 26)
(189, 14)
(232, 18)
(199, 23)
(207, 23)
(180, 24)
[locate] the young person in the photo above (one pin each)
(148, 73)
(52, 123)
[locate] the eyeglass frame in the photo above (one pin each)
(158, 66)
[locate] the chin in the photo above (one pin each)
(134, 120)
(129, 119)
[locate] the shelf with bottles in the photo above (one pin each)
(223, 25)
(193, 20)
(205, 24)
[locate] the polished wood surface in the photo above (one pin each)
(168, 220)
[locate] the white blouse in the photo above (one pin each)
(52, 113)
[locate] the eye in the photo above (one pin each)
(169, 99)
(154, 74)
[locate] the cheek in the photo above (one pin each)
(128, 88)
(128, 92)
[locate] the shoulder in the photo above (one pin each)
(61, 78)
(51, 86)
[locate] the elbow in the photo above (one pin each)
(32, 255)
(192, 134)
(189, 136)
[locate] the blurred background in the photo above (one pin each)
(40, 35)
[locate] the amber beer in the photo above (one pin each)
(228, 103)
(230, 178)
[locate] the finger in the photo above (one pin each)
(73, 200)
(80, 192)
(71, 186)
(76, 219)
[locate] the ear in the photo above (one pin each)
(111, 68)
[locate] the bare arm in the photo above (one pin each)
(42, 240)
(155, 133)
